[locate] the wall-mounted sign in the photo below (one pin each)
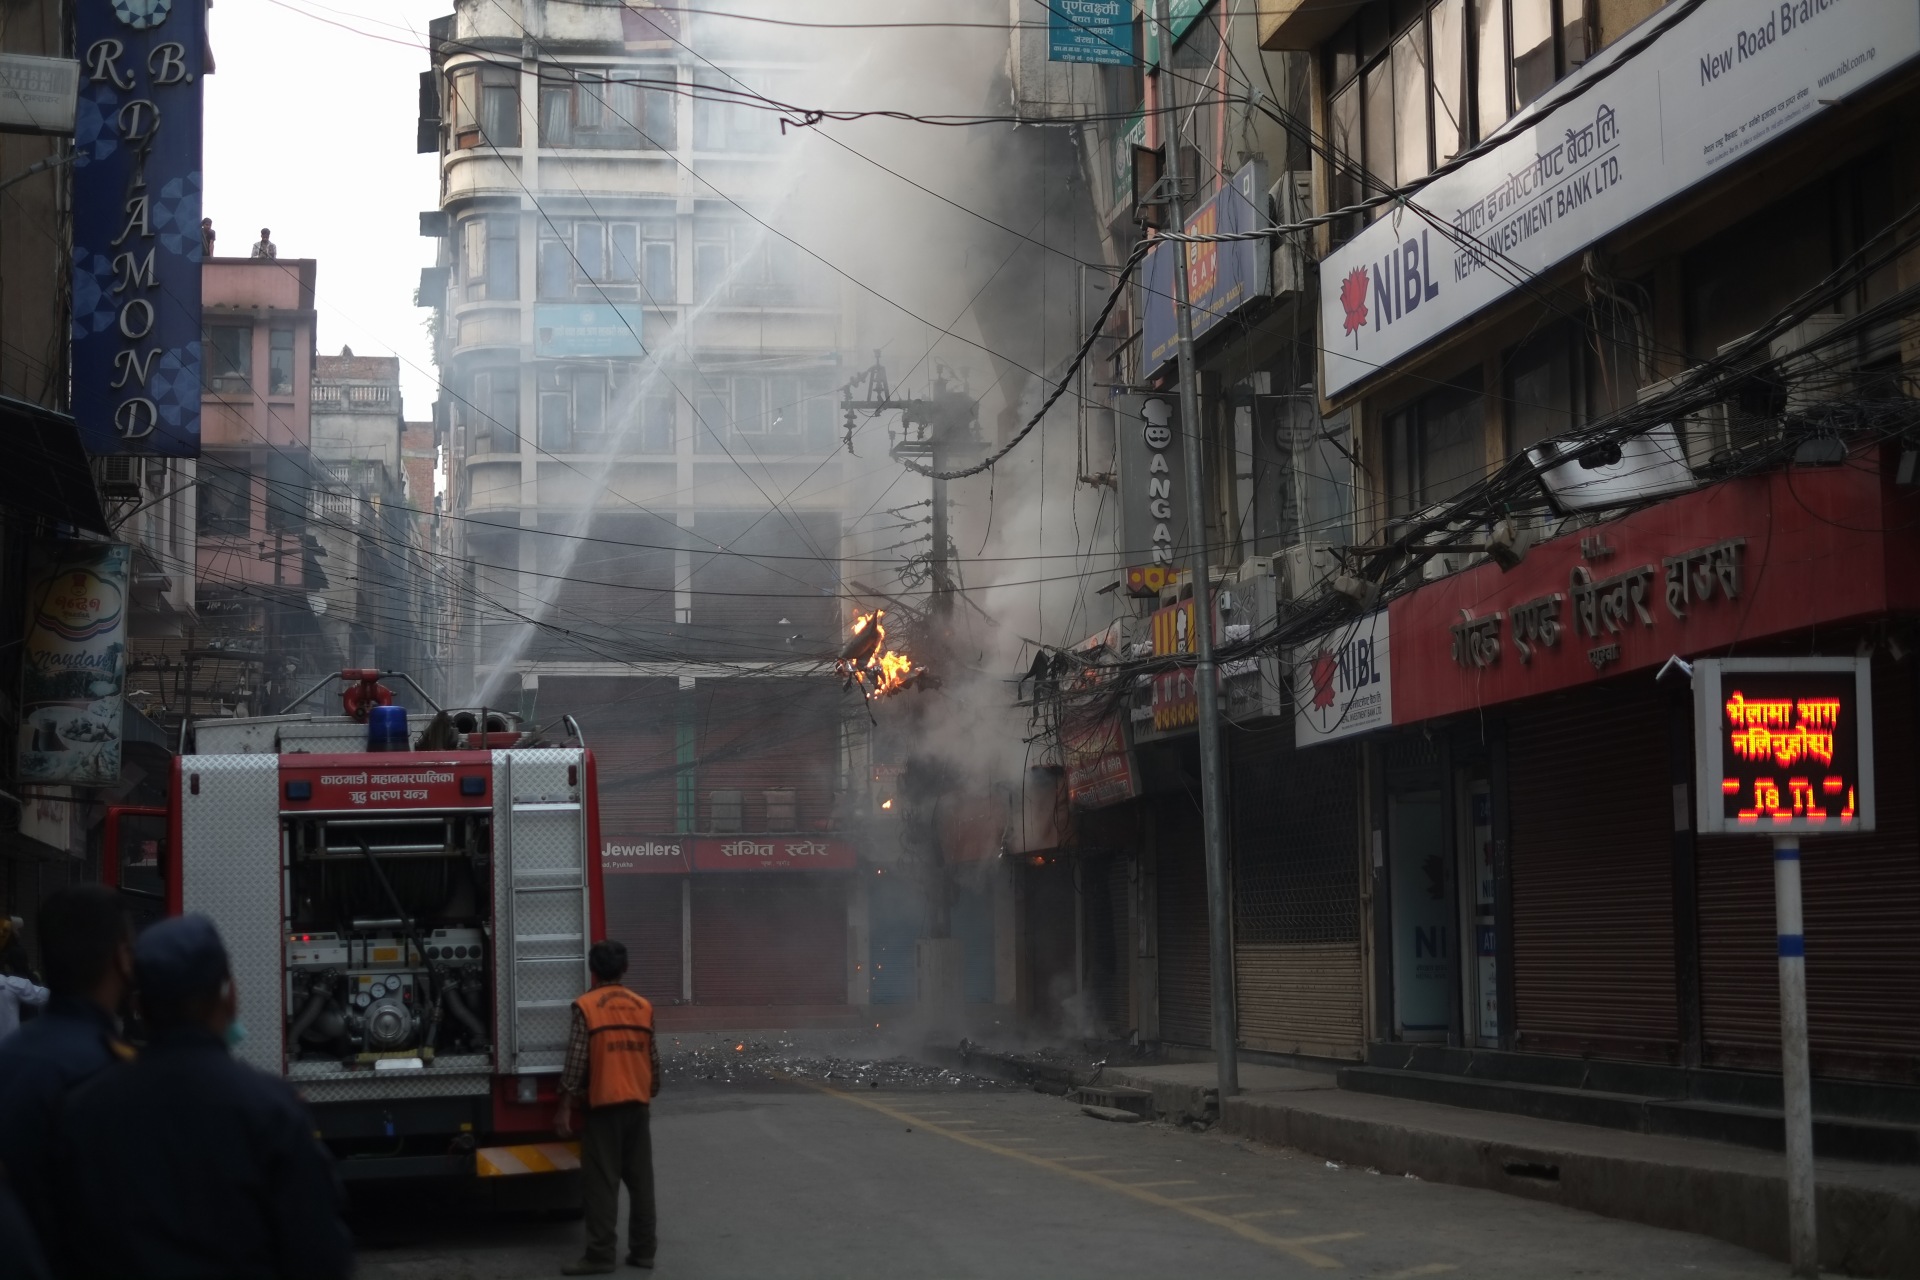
(136, 227)
(1181, 15)
(1153, 494)
(1343, 682)
(603, 329)
(75, 663)
(1099, 31)
(1099, 764)
(771, 852)
(1783, 745)
(1690, 575)
(1222, 276)
(37, 95)
(1723, 81)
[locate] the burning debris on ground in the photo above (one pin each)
(843, 1062)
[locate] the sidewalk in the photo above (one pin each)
(1869, 1213)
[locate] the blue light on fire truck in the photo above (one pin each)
(300, 789)
(473, 786)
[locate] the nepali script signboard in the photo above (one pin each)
(1784, 745)
(1723, 81)
(136, 226)
(1097, 31)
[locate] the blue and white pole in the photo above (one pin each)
(1803, 1241)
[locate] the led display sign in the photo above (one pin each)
(1784, 745)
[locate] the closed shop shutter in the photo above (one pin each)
(1592, 822)
(644, 912)
(1861, 903)
(1296, 875)
(1104, 889)
(973, 925)
(629, 726)
(1049, 926)
(1186, 1004)
(896, 917)
(780, 939)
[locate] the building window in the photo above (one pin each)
(229, 358)
(614, 110)
(723, 120)
(486, 107)
(1412, 85)
(657, 265)
(280, 362)
(226, 499)
(1435, 448)
(709, 267)
(494, 412)
(658, 411)
(607, 261)
(490, 252)
(748, 265)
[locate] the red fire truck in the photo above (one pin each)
(407, 926)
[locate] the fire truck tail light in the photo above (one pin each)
(573, 775)
(473, 786)
(527, 1089)
(300, 789)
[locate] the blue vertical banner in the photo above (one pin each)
(136, 226)
(1090, 31)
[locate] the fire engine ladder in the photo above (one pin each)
(548, 911)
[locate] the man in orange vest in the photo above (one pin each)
(613, 1063)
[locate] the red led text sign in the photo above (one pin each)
(1785, 745)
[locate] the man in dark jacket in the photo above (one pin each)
(86, 948)
(188, 1163)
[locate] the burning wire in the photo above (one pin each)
(865, 659)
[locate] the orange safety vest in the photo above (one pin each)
(619, 1045)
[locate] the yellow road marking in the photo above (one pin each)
(1425, 1269)
(1108, 1173)
(1236, 1195)
(1076, 1157)
(1170, 1182)
(1337, 1235)
(1245, 1230)
(1264, 1213)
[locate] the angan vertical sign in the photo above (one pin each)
(75, 662)
(136, 226)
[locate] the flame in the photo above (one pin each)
(878, 669)
(739, 1048)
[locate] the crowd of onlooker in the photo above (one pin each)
(132, 1143)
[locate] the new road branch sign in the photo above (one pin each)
(1784, 745)
(1721, 82)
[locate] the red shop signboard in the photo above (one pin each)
(1739, 561)
(676, 854)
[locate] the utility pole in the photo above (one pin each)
(1206, 682)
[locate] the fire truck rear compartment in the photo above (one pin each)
(388, 938)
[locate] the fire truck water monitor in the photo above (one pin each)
(1783, 745)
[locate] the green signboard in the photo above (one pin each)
(1181, 15)
(1134, 135)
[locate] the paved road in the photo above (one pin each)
(791, 1180)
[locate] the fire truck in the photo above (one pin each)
(407, 909)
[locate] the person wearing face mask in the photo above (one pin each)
(189, 1163)
(86, 949)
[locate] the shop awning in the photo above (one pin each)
(53, 478)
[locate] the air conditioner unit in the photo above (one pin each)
(1712, 434)
(120, 476)
(1302, 567)
(1291, 200)
(1814, 377)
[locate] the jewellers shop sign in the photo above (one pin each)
(672, 854)
(1736, 563)
(136, 226)
(1729, 77)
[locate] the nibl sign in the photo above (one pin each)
(136, 226)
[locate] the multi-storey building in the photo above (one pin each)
(639, 402)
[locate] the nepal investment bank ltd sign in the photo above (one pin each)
(1721, 82)
(136, 226)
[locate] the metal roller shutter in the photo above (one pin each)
(1592, 815)
(1049, 928)
(644, 913)
(973, 925)
(781, 940)
(1104, 889)
(896, 917)
(1186, 1001)
(1298, 980)
(1862, 912)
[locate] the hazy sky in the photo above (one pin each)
(346, 187)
